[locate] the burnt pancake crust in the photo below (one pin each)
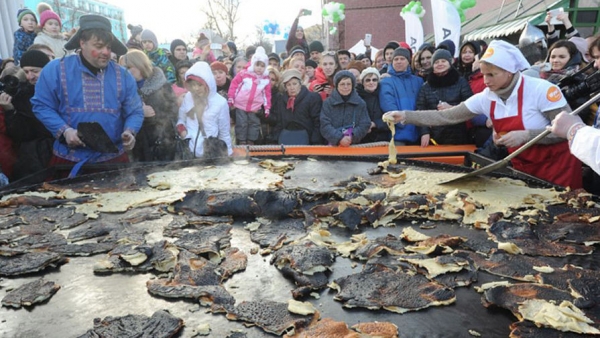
(394, 291)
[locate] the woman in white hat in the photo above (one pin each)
(297, 112)
(520, 108)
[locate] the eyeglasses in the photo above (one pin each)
(147, 41)
(372, 80)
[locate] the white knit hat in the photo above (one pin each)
(367, 71)
(259, 55)
(506, 56)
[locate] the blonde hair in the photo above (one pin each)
(14, 71)
(288, 63)
(138, 59)
(274, 71)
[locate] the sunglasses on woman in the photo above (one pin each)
(371, 80)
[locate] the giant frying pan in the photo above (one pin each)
(503, 163)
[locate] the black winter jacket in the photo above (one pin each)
(452, 89)
(306, 114)
(381, 132)
(30, 137)
(21, 124)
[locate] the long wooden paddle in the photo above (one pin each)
(504, 162)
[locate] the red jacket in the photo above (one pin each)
(8, 155)
(320, 79)
(476, 82)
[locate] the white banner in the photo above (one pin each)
(413, 31)
(446, 23)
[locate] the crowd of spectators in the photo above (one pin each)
(303, 96)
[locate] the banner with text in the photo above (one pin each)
(446, 23)
(413, 30)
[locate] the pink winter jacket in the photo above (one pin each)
(249, 92)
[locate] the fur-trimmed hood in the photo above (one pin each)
(154, 82)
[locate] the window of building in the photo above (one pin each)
(589, 3)
(586, 17)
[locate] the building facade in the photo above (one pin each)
(489, 19)
(70, 10)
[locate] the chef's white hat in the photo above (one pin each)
(506, 56)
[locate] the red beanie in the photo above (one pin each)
(407, 46)
(218, 65)
(47, 15)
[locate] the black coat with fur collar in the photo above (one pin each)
(452, 89)
(156, 139)
(306, 114)
(381, 132)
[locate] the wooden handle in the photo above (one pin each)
(546, 132)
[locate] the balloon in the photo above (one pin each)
(466, 4)
(414, 7)
(332, 30)
(271, 27)
(333, 12)
(286, 32)
(462, 5)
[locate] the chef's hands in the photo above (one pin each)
(512, 138)
(72, 138)
(128, 140)
(396, 116)
(562, 123)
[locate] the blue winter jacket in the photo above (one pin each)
(399, 92)
(116, 111)
(22, 41)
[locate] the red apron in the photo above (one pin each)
(553, 162)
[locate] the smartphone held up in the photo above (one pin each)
(367, 39)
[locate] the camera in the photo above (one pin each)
(575, 87)
(589, 85)
(9, 84)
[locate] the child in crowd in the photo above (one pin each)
(219, 70)
(179, 86)
(202, 50)
(158, 56)
(50, 34)
(135, 40)
(249, 91)
(25, 35)
(311, 67)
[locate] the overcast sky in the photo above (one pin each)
(177, 19)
